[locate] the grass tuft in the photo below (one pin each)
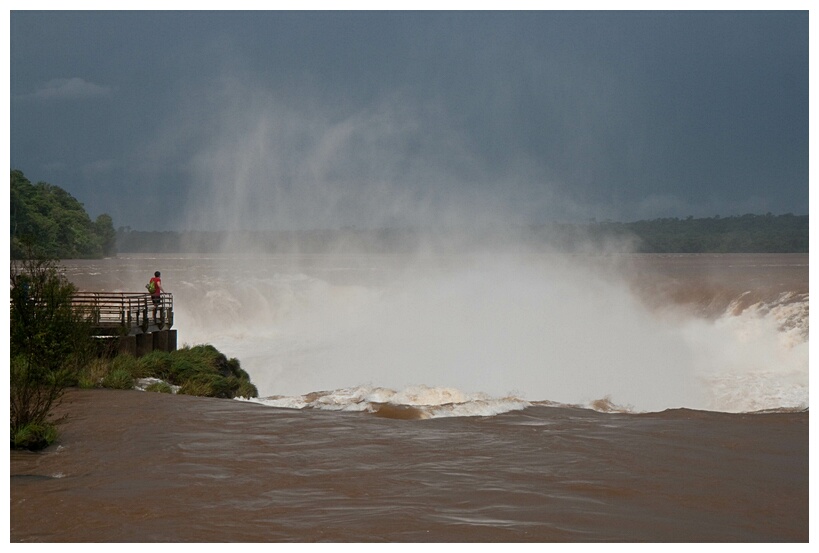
(130, 364)
(118, 379)
(92, 375)
(34, 436)
(156, 364)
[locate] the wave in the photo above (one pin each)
(496, 334)
(420, 402)
(424, 402)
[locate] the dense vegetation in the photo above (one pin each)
(49, 342)
(52, 349)
(54, 224)
(744, 234)
(199, 371)
(741, 234)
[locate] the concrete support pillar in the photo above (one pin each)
(171, 340)
(144, 344)
(160, 340)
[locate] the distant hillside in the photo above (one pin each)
(743, 234)
(53, 223)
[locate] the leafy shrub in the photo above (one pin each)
(50, 341)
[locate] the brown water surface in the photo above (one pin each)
(143, 467)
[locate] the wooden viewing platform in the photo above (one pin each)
(126, 318)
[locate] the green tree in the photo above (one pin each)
(104, 226)
(50, 341)
(55, 223)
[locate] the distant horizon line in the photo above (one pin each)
(484, 226)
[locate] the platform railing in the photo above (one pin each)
(125, 312)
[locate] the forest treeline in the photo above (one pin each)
(737, 234)
(48, 221)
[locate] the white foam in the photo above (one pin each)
(756, 359)
(432, 402)
(541, 329)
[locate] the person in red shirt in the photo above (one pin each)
(156, 294)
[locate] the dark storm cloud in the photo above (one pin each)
(171, 119)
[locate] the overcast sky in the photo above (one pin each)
(258, 120)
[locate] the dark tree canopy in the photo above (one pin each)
(54, 224)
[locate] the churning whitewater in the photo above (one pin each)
(480, 335)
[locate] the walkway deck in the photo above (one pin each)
(128, 319)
